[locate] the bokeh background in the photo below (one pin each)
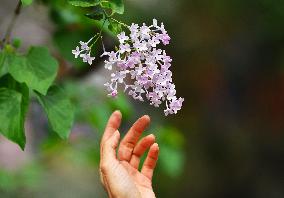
(228, 139)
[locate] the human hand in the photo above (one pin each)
(119, 172)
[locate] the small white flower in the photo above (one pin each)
(134, 28)
(105, 54)
(140, 46)
(168, 111)
(91, 59)
(87, 58)
(108, 85)
(84, 52)
(154, 42)
(162, 28)
(176, 104)
(155, 23)
(145, 32)
(118, 76)
(122, 38)
(124, 48)
(76, 52)
(108, 65)
(84, 45)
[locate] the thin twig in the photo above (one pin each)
(12, 23)
(119, 22)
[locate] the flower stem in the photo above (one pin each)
(99, 34)
(119, 22)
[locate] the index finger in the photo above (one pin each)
(131, 138)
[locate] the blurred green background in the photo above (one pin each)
(228, 64)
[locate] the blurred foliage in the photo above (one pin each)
(93, 107)
(27, 178)
(172, 156)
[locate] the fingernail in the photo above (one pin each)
(146, 116)
(152, 135)
(117, 112)
(116, 133)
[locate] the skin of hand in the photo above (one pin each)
(119, 170)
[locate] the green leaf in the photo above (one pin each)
(16, 43)
(97, 14)
(59, 110)
(2, 60)
(24, 104)
(8, 82)
(115, 27)
(11, 125)
(27, 2)
(116, 6)
(37, 69)
(4, 56)
(84, 3)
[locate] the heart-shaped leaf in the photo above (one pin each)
(37, 69)
(17, 135)
(59, 110)
(97, 14)
(116, 6)
(115, 27)
(10, 116)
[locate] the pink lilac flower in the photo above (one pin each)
(84, 51)
(76, 52)
(122, 37)
(139, 60)
(87, 58)
(84, 45)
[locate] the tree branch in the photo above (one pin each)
(12, 24)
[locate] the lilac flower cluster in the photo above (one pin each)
(139, 58)
(84, 51)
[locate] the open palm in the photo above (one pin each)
(119, 172)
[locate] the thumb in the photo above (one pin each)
(109, 148)
(108, 157)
